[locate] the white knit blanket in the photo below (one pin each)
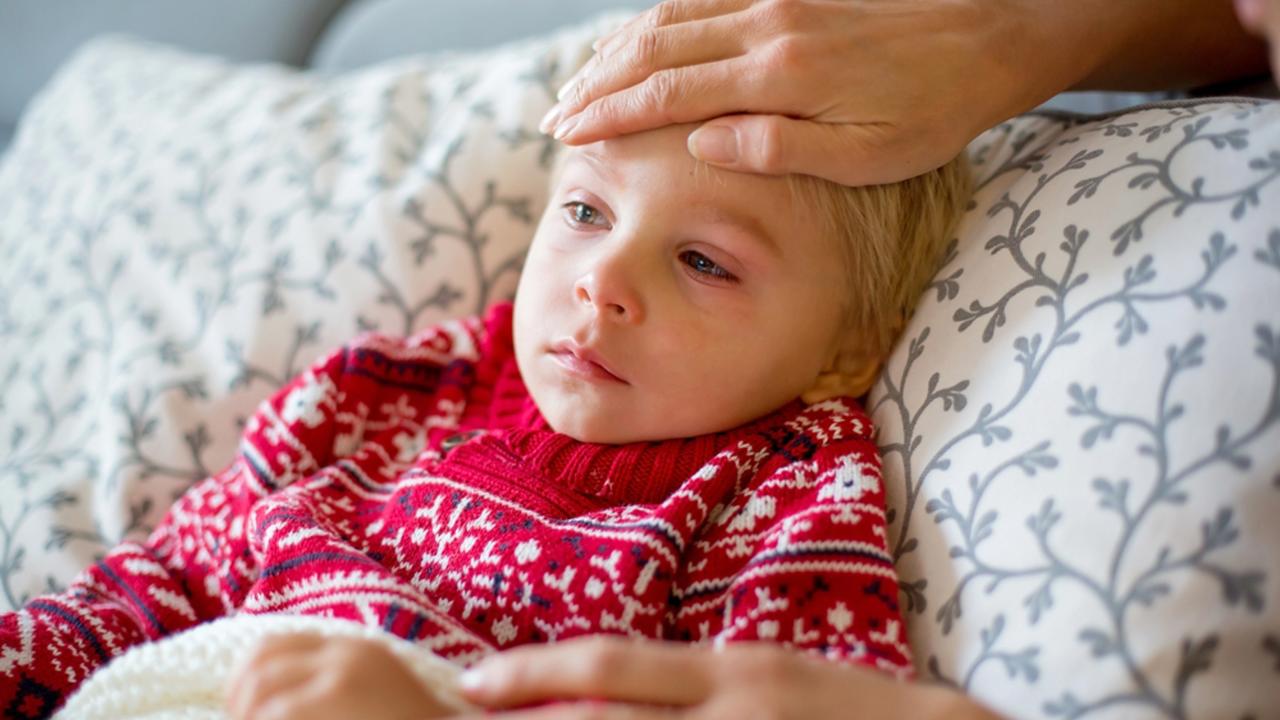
(186, 676)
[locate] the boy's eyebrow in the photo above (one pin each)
(746, 223)
(750, 226)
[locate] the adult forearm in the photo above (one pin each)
(1144, 44)
(868, 91)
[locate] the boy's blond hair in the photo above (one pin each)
(890, 238)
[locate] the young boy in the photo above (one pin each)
(657, 440)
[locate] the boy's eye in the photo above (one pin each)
(580, 213)
(704, 265)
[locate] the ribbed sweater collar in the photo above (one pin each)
(632, 473)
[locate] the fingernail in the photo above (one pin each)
(611, 45)
(564, 89)
(550, 119)
(567, 126)
(577, 76)
(714, 144)
(603, 40)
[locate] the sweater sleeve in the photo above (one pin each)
(195, 566)
(800, 555)
(198, 564)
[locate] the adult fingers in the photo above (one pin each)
(670, 96)
(846, 153)
(599, 668)
(622, 65)
(671, 12)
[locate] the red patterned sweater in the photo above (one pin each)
(412, 484)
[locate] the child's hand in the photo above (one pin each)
(315, 677)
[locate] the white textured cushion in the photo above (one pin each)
(186, 676)
(1081, 426)
(180, 235)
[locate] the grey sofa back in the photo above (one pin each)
(36, 36)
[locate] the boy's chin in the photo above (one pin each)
(594, 430)
(610, 430)
(600, 428)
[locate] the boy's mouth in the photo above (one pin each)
(583, 361)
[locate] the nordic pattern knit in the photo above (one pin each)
(412, 484)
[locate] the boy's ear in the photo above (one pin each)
(847, 375)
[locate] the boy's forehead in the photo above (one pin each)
(659, 162)
(663, 141)
(659, 159)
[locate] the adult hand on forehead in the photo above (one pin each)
(822, 83)
(871, 91)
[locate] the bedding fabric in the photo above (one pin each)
(185, 676)
(180, 235)
(1081, 426)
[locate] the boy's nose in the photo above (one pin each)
(607, 287)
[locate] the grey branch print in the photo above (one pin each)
(1050, 305)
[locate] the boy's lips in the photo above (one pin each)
(584, 361)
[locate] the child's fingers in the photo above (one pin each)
(285, 644)
(271, 681)
(599, 668)
(272, 665)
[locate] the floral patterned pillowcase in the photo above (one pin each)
(180, 235)
(1081, 426)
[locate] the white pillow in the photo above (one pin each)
(1081, 426)
(180, 235)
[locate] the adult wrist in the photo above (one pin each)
(1060, 45)
(1033, 50)
(1149, 45)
